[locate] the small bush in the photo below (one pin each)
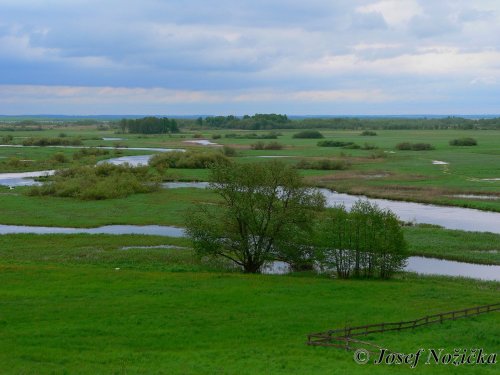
(463, 142)
(352, 146)
(86, 152)
(14, 162)
(333, 144)
(216, 136)
(269, 146)
(7, 139)
(229, 151)
(407, 146)
(323, 164)
(308, 134)
(198, 136)
(368, 133)
(59, 157)
(368, 146)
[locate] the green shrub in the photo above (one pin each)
(269, 146)
(104, 181)
(59, 157)
(368, 133)
(7, 139)
(463, 142)
(229, 151)
(406, 146)
(86, 152)
(189, 159)
(368, 146)
(270, 135)
(216, 136)
(352, 146)
(323, 164)
(52, 142)
(308, 134)
(333, 144)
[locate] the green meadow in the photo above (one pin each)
(136, 304)
(82, 304)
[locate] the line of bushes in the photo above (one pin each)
(467, 141)
(104, 181)
(347, 145)
(308, 134)
(270, 135)
(407, 146)
(266, 146)
(60, 141)
(323, 164)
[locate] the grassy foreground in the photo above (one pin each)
(65, 308)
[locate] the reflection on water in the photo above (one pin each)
(448, 217)
(432, 266)
(22, 178)
(420, 265)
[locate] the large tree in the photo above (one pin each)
(265, 211)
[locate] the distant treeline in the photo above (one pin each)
(276, 121)
(149, 125)
(155, 125)
(255, 122)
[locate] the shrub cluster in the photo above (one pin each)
(334, 144)
(323, 164)
(269, 146)
(104, 181)
(189, 159)
(270, 135)
(229, 151)
(347, 145)
(86, 152)
(7, 139)
(463, 142)
(368, 133)
(59, 157)
(61, 141)
(405, 146)
(308, 134)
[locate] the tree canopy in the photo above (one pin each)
(149, 125)
(367, 241)
(264, 214)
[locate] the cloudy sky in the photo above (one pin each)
(247, 56)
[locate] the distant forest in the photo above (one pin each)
(163, 125)
(149, 125)
(274, 121)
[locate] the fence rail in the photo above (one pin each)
(342, 337)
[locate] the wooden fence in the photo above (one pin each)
(342, 337)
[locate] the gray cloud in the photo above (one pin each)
(234, 46)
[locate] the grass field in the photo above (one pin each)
(104, 304)
(384, 172)
(65, 308)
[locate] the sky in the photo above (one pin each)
(219, 57)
